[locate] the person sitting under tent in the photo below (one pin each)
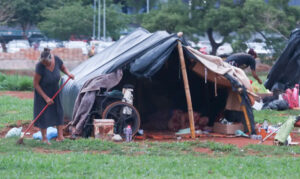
(243, 60)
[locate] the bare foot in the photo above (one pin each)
(46, 142)
(60, 139)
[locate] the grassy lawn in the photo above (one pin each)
(89, 158)
(13, 109)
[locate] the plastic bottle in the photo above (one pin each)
(296, 95)
(128, 133)
(265, 125)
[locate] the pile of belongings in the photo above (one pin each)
(180, 120)
(287, 100)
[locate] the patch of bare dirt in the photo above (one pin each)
(20, 123)
(203, 150)
(237, 141)
(47, 151)
(19, 94)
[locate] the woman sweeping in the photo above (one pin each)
(45, 82)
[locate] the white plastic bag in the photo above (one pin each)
(14, 132)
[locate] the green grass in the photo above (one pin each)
(273, 116)
(13, 109)
(90, 158)
(101, 159)
(16, 82)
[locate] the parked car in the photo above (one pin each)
(15, 45)
(259, 48)
(224, 49)
(47, 44)
(77, 44)
(204, 46)
(37, 38)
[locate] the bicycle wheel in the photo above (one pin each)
(123, 114)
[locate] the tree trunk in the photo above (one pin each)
(213, 43)
(24, 29)
(3, 45)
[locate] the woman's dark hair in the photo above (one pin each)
(46, 54)
(252, 52)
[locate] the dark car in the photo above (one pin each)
(36, 38)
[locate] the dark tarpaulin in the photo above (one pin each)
(142, 52)
(285, 73)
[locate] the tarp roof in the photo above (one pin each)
(143, 53)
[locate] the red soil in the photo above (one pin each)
(19, 94)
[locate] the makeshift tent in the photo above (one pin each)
(155, 64)
(285, 72)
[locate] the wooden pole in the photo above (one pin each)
(246, 115)
(187, 88)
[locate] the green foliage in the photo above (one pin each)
(273, 116)
(28, 12)
(67, 20)
(172, 17)
(16, 83)
(76, 19)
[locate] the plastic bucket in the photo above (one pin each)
(103, 128)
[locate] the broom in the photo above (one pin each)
(20, 141)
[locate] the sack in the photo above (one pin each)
(51, 133)
(14, 132)
(292, 96)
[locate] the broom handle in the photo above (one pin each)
(37, 117)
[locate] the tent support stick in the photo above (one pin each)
(187, 90)
(246, 115)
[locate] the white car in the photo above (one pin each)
(259, 48)
(15, 45)
(224, 49)
(77, 44)
(47, 44)
(205, 45)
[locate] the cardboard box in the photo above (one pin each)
(227, 128)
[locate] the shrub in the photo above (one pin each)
(15, 83)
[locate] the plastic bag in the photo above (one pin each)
(14, 132)
(51, 133)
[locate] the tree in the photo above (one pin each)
(28, 12)
(76, 19)
(172, 17)
(238, 20)
(268, 19)
(223, 17)
(6, 12)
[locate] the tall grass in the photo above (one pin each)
(16, 82)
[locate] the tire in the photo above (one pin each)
(115, 111)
